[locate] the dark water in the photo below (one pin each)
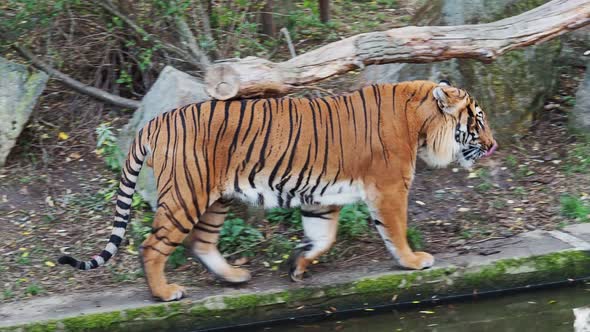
(539, 311)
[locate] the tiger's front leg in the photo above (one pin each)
(203, 244)
(389, 212)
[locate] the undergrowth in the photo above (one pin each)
(575, 208)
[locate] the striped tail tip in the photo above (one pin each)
(69, 260)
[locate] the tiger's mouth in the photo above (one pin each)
(491, 150)
(473, 152)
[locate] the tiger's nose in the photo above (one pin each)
(492, 149)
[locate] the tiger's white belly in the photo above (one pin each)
(340, 193)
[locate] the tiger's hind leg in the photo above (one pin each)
(169, 230)
(320, 225)
(203, 244)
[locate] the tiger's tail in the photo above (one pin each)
(130, 171)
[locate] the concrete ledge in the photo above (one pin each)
(531, 258)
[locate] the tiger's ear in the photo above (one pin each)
(446, 97)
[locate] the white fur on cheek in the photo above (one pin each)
(467, 164)
(441, 148)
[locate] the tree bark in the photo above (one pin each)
(268, 23)
(255, 77)
(324, 10)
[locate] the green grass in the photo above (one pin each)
(499, 204)
(484, 186)
(520, 191)
(578, 160)
(33, 289)
(7, 294)
(511, 161)
(575, 208)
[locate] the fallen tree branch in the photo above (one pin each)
(75, 84)
(252, 76)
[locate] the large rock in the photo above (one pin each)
(575, 45)
(172, 89)
(510, 89)
(19, 90)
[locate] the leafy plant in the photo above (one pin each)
(7, 293)
(290, 217)
(140, 229)
(578, 160)
(511, 161)
(33, 289)
(575, 208)
(353, 220)
(569, 100)
(24, 258)
(177, 258)
(415, 238)
(237, 235)
(484, 186)
(107, 147)
(279, 247)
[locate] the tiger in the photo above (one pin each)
(314, 153)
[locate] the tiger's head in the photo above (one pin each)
(458, 131)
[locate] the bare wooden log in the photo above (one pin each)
(253, 77)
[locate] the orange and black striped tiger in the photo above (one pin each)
(316, 153)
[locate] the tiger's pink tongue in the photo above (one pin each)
(490, 151)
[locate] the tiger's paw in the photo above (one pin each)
(417, 261)
(171, 292)
(236, 275)
(298, 268)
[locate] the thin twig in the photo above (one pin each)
(363, 255)
(488, 239)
